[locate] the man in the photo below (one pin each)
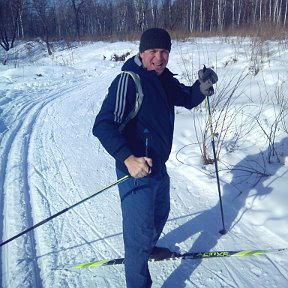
(143, 146)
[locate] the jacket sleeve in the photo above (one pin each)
(187, 96)
(117, 104)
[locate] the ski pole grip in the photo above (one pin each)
(208, 74)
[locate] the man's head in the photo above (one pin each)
(155, 38)
(155, 45)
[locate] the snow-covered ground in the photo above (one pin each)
(50, 160)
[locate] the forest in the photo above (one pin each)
(125, 19)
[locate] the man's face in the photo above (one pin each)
(155, 59)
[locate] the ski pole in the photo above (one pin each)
(65, 210)
(223, 231)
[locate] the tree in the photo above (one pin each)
(9, 17)
(75, 19)
(77, 6)
(46, 15)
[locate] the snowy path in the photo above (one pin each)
(33, 165)
(50, 160)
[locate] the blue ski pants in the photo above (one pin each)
(145, 204)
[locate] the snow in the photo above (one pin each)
(50, 160)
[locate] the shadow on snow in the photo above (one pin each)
(247, 175)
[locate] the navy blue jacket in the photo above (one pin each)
(155, 119)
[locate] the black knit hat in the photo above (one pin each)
(155, 38)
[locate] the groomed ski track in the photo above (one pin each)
(36, 180)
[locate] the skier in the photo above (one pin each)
(142, 147)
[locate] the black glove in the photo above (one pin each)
(207, 77)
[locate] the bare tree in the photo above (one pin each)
(220, 13)
(90, 18)
(285, 14)
(9, 16)
(154, 12)
(271, 126)
(191, 15)
(141, 9)
(45, 13)
(167, 12)
(77, 6)
(21, 4)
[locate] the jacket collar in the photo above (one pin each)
(138, 61)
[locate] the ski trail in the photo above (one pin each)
(55, 186)
(4, 162)
(230, 280)
(17, 143)
(279, 268)
(17, 183)
(14, 180)
(49, 233)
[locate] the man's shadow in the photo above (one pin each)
(248, 178)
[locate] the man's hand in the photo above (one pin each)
(138, 167)
(207, 77)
